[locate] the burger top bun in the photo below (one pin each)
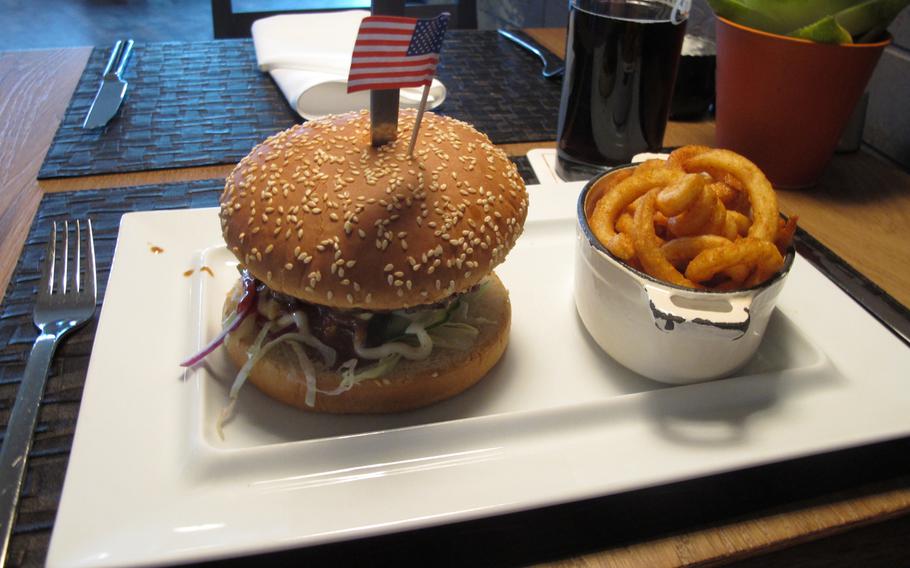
(318, 213)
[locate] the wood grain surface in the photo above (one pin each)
(35, 87)
(860, 209)
(781, 533)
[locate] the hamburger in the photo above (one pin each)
(366, 275)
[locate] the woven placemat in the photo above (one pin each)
(60, 405)
(203, 103)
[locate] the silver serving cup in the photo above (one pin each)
(665, 332)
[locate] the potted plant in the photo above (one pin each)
(789, 74)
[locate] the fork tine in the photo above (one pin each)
(46, 287)
(65, 256)
(77, 274)
(90, 276)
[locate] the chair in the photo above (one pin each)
(228, 23)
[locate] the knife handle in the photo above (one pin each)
(127, 50)
(115, 55)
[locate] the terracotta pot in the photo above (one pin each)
(783, 102)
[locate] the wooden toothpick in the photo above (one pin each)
(420, 109)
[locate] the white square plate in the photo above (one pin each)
(150, 482)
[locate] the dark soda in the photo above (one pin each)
(621, 60)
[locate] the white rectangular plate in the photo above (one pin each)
(150, 482)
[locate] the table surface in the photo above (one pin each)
(860, 210)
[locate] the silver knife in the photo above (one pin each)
(113, 88)
(552, 66)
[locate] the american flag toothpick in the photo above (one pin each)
(393, 53)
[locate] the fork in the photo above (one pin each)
(550, 68)
(64, 302)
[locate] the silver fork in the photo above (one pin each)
(550, 68)
(66, 300)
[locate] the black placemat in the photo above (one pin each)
(60, 405)
(203, 103)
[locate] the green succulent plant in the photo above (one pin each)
(824, 21)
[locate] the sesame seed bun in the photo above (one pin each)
(411, 384)
(318, 213)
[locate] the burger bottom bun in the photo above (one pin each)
(409, 385)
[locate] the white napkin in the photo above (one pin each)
(309, 56)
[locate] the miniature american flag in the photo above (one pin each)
(393, 52)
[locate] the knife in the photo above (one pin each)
(112, 89)
(552, 65)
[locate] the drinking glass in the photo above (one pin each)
(621, 59)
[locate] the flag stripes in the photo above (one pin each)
(394, 52)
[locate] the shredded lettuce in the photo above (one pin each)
(254, 353)
(411, 335)
(268, 307)
(303, 326)
(309, 373)
(286, 320)
(460, 312)
(426, 318)
(350, 376)
(415, 353)
(452, 335)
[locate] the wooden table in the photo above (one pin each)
(860, 210)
